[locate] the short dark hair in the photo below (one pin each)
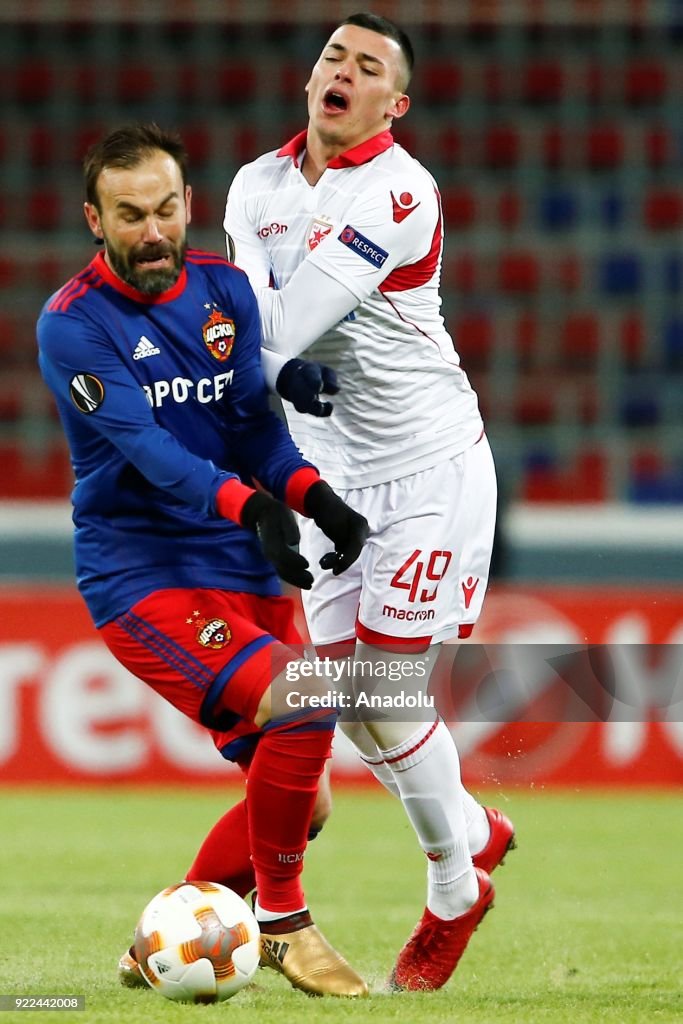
(127, 147)
(376, 23)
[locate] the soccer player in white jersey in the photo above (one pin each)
(340, 232)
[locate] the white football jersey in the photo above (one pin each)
(373, 225)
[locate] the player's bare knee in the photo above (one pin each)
(300, 687)
(388, 734)
(359, 735)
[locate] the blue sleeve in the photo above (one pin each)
(256, 432)
(74, 355)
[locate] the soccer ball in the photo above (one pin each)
(197, 942)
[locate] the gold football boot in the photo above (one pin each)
(130, 974)
(299, 951)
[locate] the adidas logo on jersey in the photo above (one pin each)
(145, 348)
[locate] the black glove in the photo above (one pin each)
(275, 526)
(301, 382)
(346, 528)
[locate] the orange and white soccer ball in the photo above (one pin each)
(197, 942)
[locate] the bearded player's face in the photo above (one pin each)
(142, 216)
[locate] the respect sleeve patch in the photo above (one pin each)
(363, 247)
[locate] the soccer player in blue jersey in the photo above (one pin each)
(184, 484)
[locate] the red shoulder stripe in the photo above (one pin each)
(73, 289)
(95, 283)
(415, 274)
(199, 256)
(63, 292)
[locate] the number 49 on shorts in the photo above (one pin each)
(419, 571)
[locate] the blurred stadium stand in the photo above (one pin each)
(552, 126)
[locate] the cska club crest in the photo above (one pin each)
(219, 335)
(319, 230)
(212, 633)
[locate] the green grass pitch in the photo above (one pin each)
(587, 925)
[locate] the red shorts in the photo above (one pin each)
(210, 653)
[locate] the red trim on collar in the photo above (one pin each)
(361, 154)
(110, 278)
(294, 147)
(367, 150)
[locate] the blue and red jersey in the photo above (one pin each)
(162, 399)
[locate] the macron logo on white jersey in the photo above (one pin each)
(144, 349)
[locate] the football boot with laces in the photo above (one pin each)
(433, 951)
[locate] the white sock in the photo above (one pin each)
(273, 915)
(478, 828)
(382, 773)
(366, 748)
(426, 770)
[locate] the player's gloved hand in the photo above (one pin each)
(275, 526)
(302, 382)
(347, 529)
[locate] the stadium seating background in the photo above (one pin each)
(553, 129)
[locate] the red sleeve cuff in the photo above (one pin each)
(297, 486)
(231, 498)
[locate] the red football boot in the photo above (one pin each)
(501, 840)
(432, 952)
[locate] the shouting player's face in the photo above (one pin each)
(356, 88)
(142, 217)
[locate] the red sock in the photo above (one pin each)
(224, 855)
(283, 782)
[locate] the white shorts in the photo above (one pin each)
(423, 572)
